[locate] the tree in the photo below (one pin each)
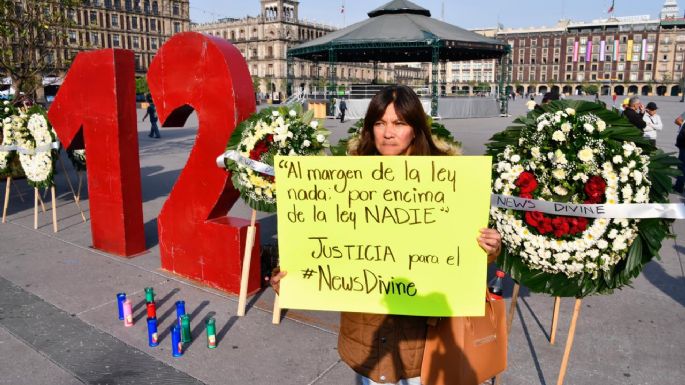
(591, 89)
(30, 32)
(141, 86)
(256, 83)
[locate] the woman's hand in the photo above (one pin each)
(490, 240)
(276, 276)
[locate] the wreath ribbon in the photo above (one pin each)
(623, 210)
(33, 151)
(251, 163)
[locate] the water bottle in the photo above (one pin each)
(495, 286)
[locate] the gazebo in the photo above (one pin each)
(400, 31)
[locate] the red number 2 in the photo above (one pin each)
(96, 102)
(197, 239)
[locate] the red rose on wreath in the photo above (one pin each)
(595, 188)
(545, 226)
(534, 218)
(526, 182)
(261, 147)
(561, 227)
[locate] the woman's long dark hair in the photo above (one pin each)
(408, 108)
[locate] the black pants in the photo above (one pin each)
(342, 116)
(680, 181)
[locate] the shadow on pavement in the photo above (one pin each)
(669, 285)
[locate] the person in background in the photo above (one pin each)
(152, 113)
(653, 121)
(343, 108)
(624, 106)
(531, 103)
(680, 143)
(549, 97)
(381, 348)
(635, 112)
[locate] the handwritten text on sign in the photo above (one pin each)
(389, 235)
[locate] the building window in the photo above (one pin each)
(176, 9)
(153, 43)
(115, 40)
(155, 8)
(153, 25)
(134, 23)
(648, 66)
(177, 27)
(94, 39)
(72, 37)
(93, 17)
(136, 42)
(114, 19)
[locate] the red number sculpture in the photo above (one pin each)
(197, 239)
(96, 102)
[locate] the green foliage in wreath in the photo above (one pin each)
(286, 130)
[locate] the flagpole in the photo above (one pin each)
(344, 16)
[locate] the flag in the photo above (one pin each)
(611, 9)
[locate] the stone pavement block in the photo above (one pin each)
(88, 353)
(72, 278)
(28, 367)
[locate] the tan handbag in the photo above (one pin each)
(466, 350)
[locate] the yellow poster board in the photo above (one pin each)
(378, 234)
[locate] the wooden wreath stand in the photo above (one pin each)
(247, 257)
(552, 335)
(7, 197)
(37, 199)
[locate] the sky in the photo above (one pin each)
(464, 13)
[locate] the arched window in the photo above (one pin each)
(155, 8)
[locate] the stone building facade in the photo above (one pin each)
(138, 25)
(624, 55)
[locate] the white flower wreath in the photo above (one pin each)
(282, 131)
(37, 160)
(570, 245)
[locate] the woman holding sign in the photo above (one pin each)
(382, 348)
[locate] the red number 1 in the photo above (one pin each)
(96, 102)
(197, 240)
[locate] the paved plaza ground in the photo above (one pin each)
(59, 325)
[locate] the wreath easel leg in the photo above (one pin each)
(42, 205)
(54, 209)
(569, 342)
(555, 319)
(249, 244)
(276, 317)
(36, 197)
(21, 195)
(71, 187)
(7, 198)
